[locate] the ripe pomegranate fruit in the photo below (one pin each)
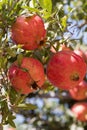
(80, 111)
(81, 53)
(66, 69)
(28, 76)
(28, 32)
(80, 91)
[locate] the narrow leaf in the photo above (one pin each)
(19, 59)
(11, 122)
(64, 22)
(30, 9)
(26, 106)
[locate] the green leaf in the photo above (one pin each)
(13, 95)
(11, 117)
(3, 62)
(0, 4)
(31, 9)
(19, 59)
(34, 2)
(85, 7)
(26, 106)
(19, 99)
(11, 52)
(11, 122)
(47, 7)
(46, 4)
(64, 22)
(5, 110)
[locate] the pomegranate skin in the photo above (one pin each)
(80, 91)
(81, 53)
(80, 111)
(27, 77)
(66, 69)
(21, 80)
(35, 69)
(28, 32)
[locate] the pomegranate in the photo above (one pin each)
(66, 69)
(28, 32)
(28, 76)
(80, 111)
(80, 91)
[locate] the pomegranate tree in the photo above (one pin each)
(28, 32)
(28, 76)
(66, 69)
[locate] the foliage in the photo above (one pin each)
(66, 23)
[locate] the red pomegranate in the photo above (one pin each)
(66, 69)
(80, 111)
(80, 91)
(28, 32)
(28, 76)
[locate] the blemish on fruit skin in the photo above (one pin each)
(34, 86)
(74, 77)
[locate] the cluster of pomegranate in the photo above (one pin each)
(66, 69)
(28, 76)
